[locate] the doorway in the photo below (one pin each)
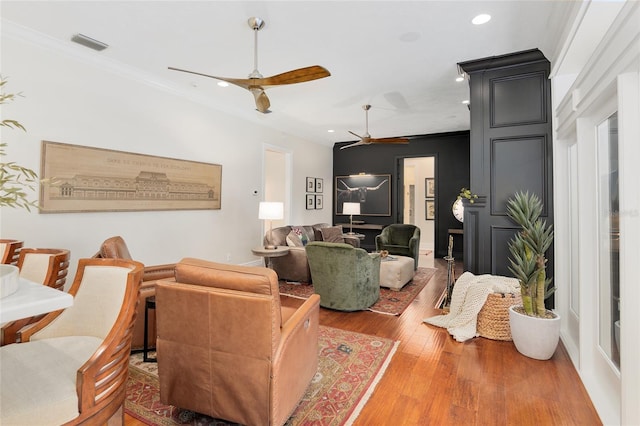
(417, 174)
(277, 180)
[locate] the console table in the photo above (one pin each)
(369, 230)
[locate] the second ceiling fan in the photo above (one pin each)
(366, 139)
(256, 83)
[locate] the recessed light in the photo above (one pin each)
(466, 102)
(460, 78)
(330, 130)
(483, 18)
(223, 84)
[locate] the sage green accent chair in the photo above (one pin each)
(345, 277)
(401, 239)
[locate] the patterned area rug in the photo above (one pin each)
(391, 302)
(350, 366)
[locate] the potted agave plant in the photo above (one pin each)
(535, 329)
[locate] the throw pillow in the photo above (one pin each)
(332, 234)
(301, 234)
(293, 240)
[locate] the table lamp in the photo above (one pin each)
(270, 210)
(351, 209)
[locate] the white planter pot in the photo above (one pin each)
(534, 337)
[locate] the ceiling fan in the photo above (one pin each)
(366, 139)
(256, 83)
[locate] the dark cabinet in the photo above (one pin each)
(510, 151)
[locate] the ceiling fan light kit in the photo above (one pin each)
(256, 83)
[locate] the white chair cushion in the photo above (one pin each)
(38, 379)
(95, 307)
(35, 267)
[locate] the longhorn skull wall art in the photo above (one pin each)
(373, 192)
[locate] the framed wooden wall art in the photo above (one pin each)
(84, 179)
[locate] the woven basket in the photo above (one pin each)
(493, 318)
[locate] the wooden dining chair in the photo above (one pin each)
(45, 266)
(10, 250)
(71, 367)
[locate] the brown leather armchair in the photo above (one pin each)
(228, 349)
(116, 248)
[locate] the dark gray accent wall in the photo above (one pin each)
(451, 152)
(510, 151)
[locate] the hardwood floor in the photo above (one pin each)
(434, 380)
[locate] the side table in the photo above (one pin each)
(149, 303)
(354, 235)
(270, 253)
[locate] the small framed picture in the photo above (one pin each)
(429, 187)
(311, 184)
(318, 202)
(430, 209)
(319, 185)
(311, 201)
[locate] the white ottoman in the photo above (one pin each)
(396, 272)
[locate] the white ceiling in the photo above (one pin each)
(398, 56)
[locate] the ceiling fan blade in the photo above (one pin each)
(195, 72)
(245, 83)
(389, 140)
(355, 134)
(300, 75)
(354, 144)
(262, 101)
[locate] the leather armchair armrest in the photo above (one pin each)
(295, 357)
(309, 310)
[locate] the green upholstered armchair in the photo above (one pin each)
(345, 277)
(401, 239)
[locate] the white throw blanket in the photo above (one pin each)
(469, 294)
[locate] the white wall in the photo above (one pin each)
(74, 101)
(422, 168)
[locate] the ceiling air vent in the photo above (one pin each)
(89, 42)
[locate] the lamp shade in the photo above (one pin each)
(271, 210)
(351, 208)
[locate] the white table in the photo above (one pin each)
(270, 253)
(32, 299)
